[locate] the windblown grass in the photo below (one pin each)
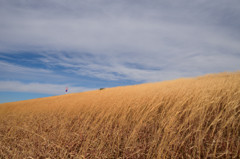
(184, 118)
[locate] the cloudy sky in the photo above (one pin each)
(87, 44)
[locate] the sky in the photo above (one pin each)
(48, 45)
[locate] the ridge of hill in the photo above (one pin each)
(184, 118)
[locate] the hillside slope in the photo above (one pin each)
(184, 118)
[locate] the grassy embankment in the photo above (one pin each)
(184, 118)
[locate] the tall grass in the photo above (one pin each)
(184, 118)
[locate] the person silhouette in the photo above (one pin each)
(66, 90)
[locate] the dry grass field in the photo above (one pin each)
(184, 118)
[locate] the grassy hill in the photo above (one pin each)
(183, 118)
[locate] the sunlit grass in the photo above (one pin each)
(184, 118)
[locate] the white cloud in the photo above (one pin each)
(53, 89)
(13, 71)
(160, 39)
(145, 69)
(99, 27)
(21, 69)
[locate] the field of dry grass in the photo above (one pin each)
(184, 118)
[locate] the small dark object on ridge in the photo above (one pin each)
(101, 89)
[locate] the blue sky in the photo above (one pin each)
(88, 44)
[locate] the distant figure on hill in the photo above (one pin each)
(66, 90)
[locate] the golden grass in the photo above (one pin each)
(184, 118)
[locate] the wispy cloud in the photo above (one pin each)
(146, 69)
(11, 71)
(52, 89)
